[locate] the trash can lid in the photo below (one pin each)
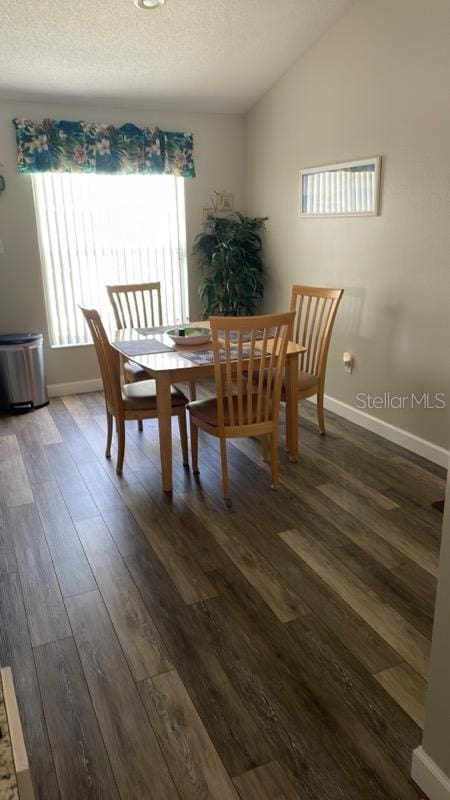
(19, 338)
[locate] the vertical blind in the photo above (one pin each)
(96, 230)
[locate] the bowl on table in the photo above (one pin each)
(189, 335)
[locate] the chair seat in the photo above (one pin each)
(133, 372)
(142, 396)
(206, 411)
(305, 381)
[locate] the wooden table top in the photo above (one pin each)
(171, 360)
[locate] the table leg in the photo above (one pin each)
(164, 408)
(292, 406)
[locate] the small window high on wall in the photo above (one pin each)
(96, 230)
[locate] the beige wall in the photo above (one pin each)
(436, 736)
(376, 83)
(219, 164)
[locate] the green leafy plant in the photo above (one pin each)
(229, 254)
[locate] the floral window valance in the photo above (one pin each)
(94, 147)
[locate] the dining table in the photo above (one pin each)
(154, 351)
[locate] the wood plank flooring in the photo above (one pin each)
(174, 649)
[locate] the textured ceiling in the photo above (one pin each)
(211, 55)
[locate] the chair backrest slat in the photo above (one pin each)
(298, 318)
(251, 363)
(135, 304)
(121, 320)
(261, 376)
(108, 359)
(321, 304)
(229, 378)
(306, 327)
(315, 311)
(271, 371)
(249, 359)
(239, 380)
(127, 300)
(136, 307)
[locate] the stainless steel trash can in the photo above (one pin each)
(22, 382)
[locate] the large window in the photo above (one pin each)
(96, 230)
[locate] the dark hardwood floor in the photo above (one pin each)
(174, 648)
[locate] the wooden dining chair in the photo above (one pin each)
(243, 345)
(136, 401)
(315, 311)
(136, 305)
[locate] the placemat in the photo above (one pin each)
(202, 357)
(152, 331)
(143, 347)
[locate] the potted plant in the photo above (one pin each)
(229, 254)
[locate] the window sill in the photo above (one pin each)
(70, 346)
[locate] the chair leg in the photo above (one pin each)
(194, 445)
(224, 463)
(120, 445)
(140, 423)
(320, 415)
(183, 437)
(274, 459)
(109, 422)
(287, 427)
(265, 448)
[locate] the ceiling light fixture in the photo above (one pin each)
(146, 4)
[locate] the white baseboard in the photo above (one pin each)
(422, 447)
(429, 777)
(76, 387)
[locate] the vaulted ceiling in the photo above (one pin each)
(203, 55)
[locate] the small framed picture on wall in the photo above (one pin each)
(225, 202)
(347, 189)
